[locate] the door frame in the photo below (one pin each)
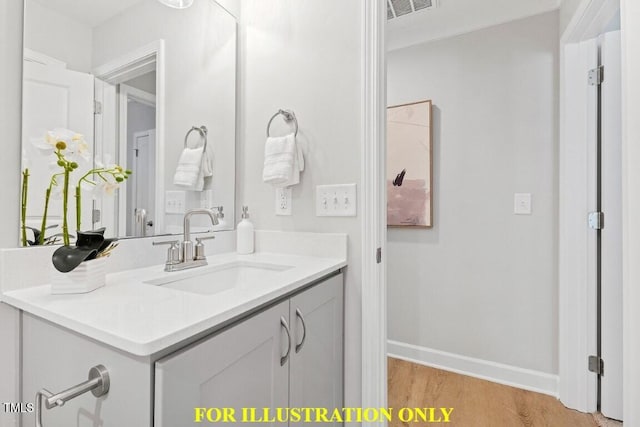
(373, 205)
(630, 16)
(576, 270)
(136, 63)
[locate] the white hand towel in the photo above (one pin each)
(283, 161)
(190, 171)
(298, 166)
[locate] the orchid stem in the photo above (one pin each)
(25, 192)
(65, 202)
(78, 207)
(44, 216)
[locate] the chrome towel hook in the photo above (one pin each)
(98, 383)
(202, 130)
(288, 116)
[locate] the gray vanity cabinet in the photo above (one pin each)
(290, 355)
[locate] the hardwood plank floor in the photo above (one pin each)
(476, 403)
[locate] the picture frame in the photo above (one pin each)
(410, 165)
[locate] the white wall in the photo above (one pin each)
(482, 283)
(10, 124)
(306, 56)
(58, 36)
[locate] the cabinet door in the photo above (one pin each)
(237, 368)
(317, 319)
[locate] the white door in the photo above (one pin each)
(240, 367)
(106, 152)
(611, 234)
(316, 356)
(54, 97)
(143, 181)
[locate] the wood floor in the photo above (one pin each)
(476, 403)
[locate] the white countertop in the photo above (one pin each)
(143, 319)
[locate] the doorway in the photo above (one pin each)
(495, 305)
(131, 90)
(137, 124)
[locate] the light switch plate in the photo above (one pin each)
(175, 202)
(522, 203)
(283, 201)
(336, 200)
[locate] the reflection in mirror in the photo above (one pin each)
(132, 78)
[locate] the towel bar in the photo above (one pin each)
(98, 384)
(288, 115)
(202, 130)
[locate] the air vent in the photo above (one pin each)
(396, 8)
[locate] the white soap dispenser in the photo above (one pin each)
(245, 234)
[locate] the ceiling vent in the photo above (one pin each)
(396, 8)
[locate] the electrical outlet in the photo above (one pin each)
(336, 200)
(283, 201)
(522, 203)
(175, 202)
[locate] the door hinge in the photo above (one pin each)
(596, 76)
(596, 365)
(97, 107)
(596, 220)
(379, 255)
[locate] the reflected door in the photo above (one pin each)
(53, 97)
(143, 188)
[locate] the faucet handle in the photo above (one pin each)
(200, 247)
(173, 253)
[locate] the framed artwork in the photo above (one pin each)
(409, 165)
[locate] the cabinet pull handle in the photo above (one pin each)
(284, 358)
(98, 383)
(304, 330)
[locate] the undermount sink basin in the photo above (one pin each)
(218, 278)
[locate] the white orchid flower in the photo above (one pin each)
(76, 148)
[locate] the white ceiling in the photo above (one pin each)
(89, 12)
(454, 17)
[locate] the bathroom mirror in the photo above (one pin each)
(130, 79)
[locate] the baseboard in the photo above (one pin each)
(526, 379)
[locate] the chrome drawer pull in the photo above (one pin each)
(304, 330)
(98, 383)
(284, 358)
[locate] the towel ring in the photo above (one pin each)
(202, 130)
(288, 116)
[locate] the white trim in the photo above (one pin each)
(133, 64)
(373, 206)
(590, 20)
(41, 58)
(139, 95)
(577, 328)
(527, 379)
(140, 61)
(630, 16)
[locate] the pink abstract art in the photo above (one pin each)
(409, 202)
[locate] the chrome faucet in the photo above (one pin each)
(185, 258)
